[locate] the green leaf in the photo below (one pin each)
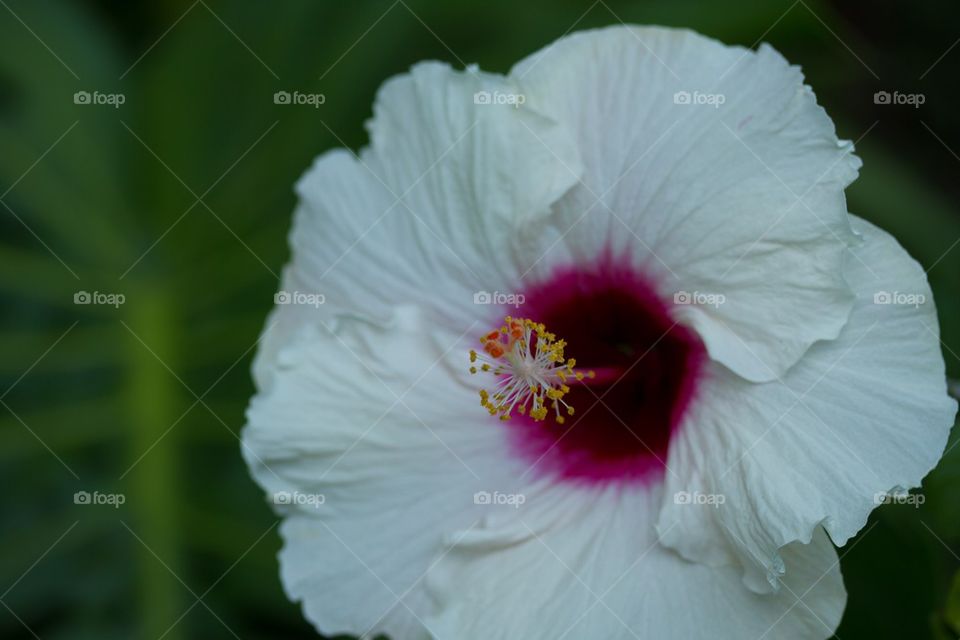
(952, 610)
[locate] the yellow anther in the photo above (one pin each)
(531, 370)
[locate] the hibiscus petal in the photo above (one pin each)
(371, 417)
(428, 213)
(858, 416)
(585, 564)
(742, 199)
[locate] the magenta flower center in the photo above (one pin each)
(647, 368)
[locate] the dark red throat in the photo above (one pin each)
(648, 366)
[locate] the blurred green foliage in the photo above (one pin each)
(180, 200)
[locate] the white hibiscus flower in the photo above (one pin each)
(669, 212)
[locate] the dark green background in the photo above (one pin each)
(91, 191)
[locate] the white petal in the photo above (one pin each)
(744, 200)
(585, 564)
(339, 251)
(434, 210)
(474, 176)
(375, 419)
(859, 416)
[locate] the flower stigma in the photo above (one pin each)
(532, 372)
